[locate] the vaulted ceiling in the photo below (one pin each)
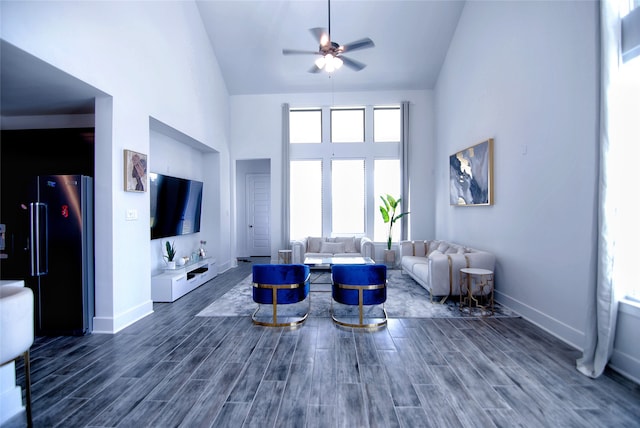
(247, 36)
(411, 41)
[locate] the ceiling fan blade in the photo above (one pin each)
(321, 35)
(352, 63)
(358, 44)
(298, 52)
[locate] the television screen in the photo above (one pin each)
(176, 204)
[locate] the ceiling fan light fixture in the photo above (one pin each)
(329, 65)
(329, 62)
(324, 40)
(337, 62)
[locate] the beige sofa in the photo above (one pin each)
(331, 247)
(436, 265)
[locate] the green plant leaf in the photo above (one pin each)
(385, 214)
(392, 202)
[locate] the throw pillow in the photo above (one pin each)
(314, 245)
(332, 247)
(349, 243)
(443, 247)
(419, 248)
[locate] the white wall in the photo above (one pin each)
(526, 74)
(153, 59)
(263, 139)
(173, 156)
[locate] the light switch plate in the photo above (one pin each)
(131, 214)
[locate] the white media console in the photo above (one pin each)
(175, 283)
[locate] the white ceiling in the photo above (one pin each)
(30, 86)
(411, 37)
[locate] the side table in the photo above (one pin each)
(284, 257)
(476, 291)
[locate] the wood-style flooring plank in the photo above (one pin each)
(265, 406)
(324, 383)
(249, 380)
(174, 368)
(295, 399)
(380, 409)
(400, 382)
(350, 408)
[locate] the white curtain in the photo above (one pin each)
(603, 304)
(404, 166)
(285, 238)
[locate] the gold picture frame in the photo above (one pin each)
(135, 171)
(471, 175)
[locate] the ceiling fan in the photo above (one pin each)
(330, 53)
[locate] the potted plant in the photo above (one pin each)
(388, 211)
(171, 253)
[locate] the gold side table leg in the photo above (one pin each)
(361, 304)
(274, 301)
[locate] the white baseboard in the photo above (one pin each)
(223, 267)
(626, 365)
(112, 325)
(557, 328)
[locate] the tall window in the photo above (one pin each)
(386, 181)
(625, 132)
(339, 169)
(306, 198)
(347, 197)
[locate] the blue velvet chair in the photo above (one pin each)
(280, 284)
(359, 285)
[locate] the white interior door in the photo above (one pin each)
(258, 214)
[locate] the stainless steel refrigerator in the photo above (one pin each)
(59, 253)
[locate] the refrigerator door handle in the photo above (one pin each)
(39, 234)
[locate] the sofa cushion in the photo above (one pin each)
(314, 244)
(318, 255)
(409, 262)
(349, 243)
(332, 247)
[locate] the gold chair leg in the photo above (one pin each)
(27, 377)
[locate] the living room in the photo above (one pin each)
(523, 73)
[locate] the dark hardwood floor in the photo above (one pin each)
(175, 369)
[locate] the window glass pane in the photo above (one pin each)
(624, 129)
(347, 126)
(386, 124)
(386, 180)
(347, 196)
(306, 198)
(305, 126)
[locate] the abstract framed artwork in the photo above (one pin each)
(135, 171)
(471, 175)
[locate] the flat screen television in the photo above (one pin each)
(176, 205)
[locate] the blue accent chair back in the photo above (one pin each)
(359, 285)
(280, 284)
(359, 275)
